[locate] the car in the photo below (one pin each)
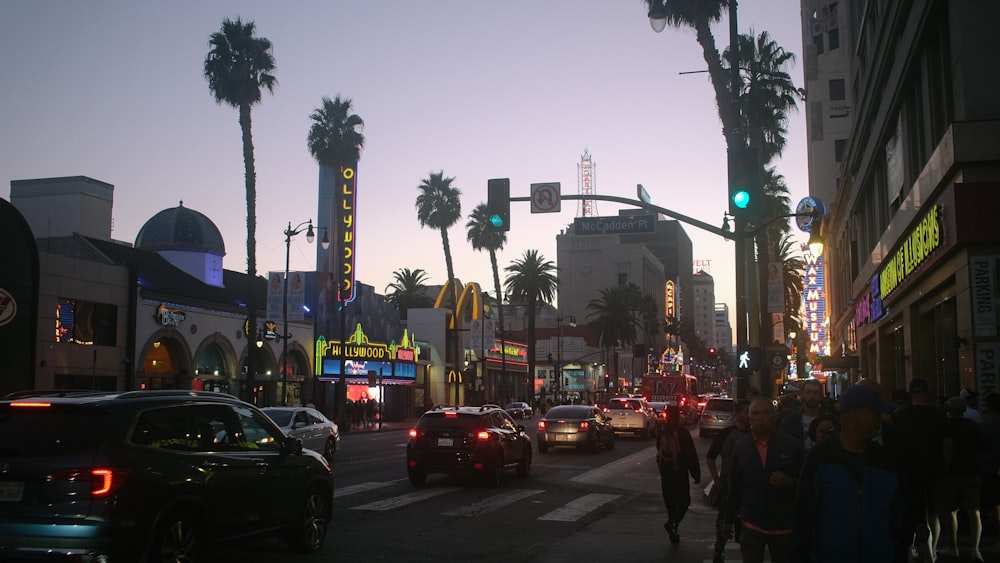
(152, 476)
(581, 426)
(659, 410)
(631, 415)
(317, 432)
(716, 416)
(478, 442)
(520, 409)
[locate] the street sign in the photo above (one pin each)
(615, 225)
(545, 198)
(811, 205)
(777, 358)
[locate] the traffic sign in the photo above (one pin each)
(545, 198)
(777, 358)
(615, 225)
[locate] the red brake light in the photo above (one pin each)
(414, 433)
(683, 401)
(482, 435)
(451, 415)
(541, 425)
(584, 425)
(102, 480)
(30, 404)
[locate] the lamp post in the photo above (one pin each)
(310, 236)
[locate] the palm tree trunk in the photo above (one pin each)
(250, 177)
(720, 83)
(532, 303)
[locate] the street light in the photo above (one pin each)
(658, 15)
(560, 384)
(310, 236)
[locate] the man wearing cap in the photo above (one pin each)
(853, 485)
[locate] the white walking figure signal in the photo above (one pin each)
(745, 360)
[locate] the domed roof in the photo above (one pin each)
(180, 228)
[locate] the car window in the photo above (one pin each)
(192, 428)
(57, 430)
(314, 417)
(719, 405)
(438, 421)
(280, 417)
(256, 432)
(300, 416)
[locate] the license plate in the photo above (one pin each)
(560, 437)
(446, 442)
(11, 491)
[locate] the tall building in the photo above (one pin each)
(703, 308)
(912, 248)
(723, 329)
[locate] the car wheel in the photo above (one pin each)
(524, 467)
(307, 534)
(417, 476)
(493, 473)
(542, 447)
(330, 449)
(176, 538)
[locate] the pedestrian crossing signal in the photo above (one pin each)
(747, 360)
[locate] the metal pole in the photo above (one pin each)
(740, 237)
(381, 400)
(284, 317)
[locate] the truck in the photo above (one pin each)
(674, 389)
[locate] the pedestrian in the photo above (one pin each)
(797, 423)
(823, 426)
(920, 431)
(964, 449)
(722, 446)
(989, 503)
(676, 458)
(371, 411)
(971, 400)
(762, 487)
(851, 497)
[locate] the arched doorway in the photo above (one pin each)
(165, 364)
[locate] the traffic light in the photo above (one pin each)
(607, 380)
(498, 203)
(744, 181)
(712, 352)
(747, 360)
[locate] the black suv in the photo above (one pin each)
(151, 476)
(469, 441)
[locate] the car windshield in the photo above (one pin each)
(514, 406)
(568, 411)
(51, 431)
(280, 417)
(719, 405)
(442, 421)
(630, 404)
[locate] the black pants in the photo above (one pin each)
(676, 493)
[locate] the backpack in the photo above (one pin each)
(668, 450)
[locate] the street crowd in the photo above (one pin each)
(857, 480)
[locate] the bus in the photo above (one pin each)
(676, 389)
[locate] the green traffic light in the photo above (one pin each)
(741, 199)
(496, 220)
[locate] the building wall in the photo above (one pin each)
(703, 313)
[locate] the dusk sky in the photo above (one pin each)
(519, 89)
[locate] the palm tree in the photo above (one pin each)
(335, 142)
(483, 236)
(408, 291)
(439, 207)
(237, 67)
(614, 318)
(531, 279)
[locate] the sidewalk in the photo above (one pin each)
(387, 426)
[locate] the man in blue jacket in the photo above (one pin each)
(851, 495)
(762, 486)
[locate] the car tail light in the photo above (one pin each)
(584, 425)
(541, 425)
(482, 435)
(35, 404)
(451, 415)
(414, 433)
(103, 480)
(682, 401)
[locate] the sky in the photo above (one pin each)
(520, 89)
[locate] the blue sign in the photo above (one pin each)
(617, 225)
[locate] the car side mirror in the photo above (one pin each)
(291, 446)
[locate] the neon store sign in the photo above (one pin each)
(815, 303)
(346, 202)
(394, 362)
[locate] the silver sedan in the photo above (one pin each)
(317, 432)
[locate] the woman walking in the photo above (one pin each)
(676, 458)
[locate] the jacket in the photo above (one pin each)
(866, 509)
(751, 495)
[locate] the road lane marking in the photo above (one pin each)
(493, 503)
(576, 509)
(359, 488)
(639, 462)
(403, 500)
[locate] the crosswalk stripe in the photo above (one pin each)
(403, 500)
(493, 503)
(359, 488)
(576, 509)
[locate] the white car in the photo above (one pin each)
(317, 432)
